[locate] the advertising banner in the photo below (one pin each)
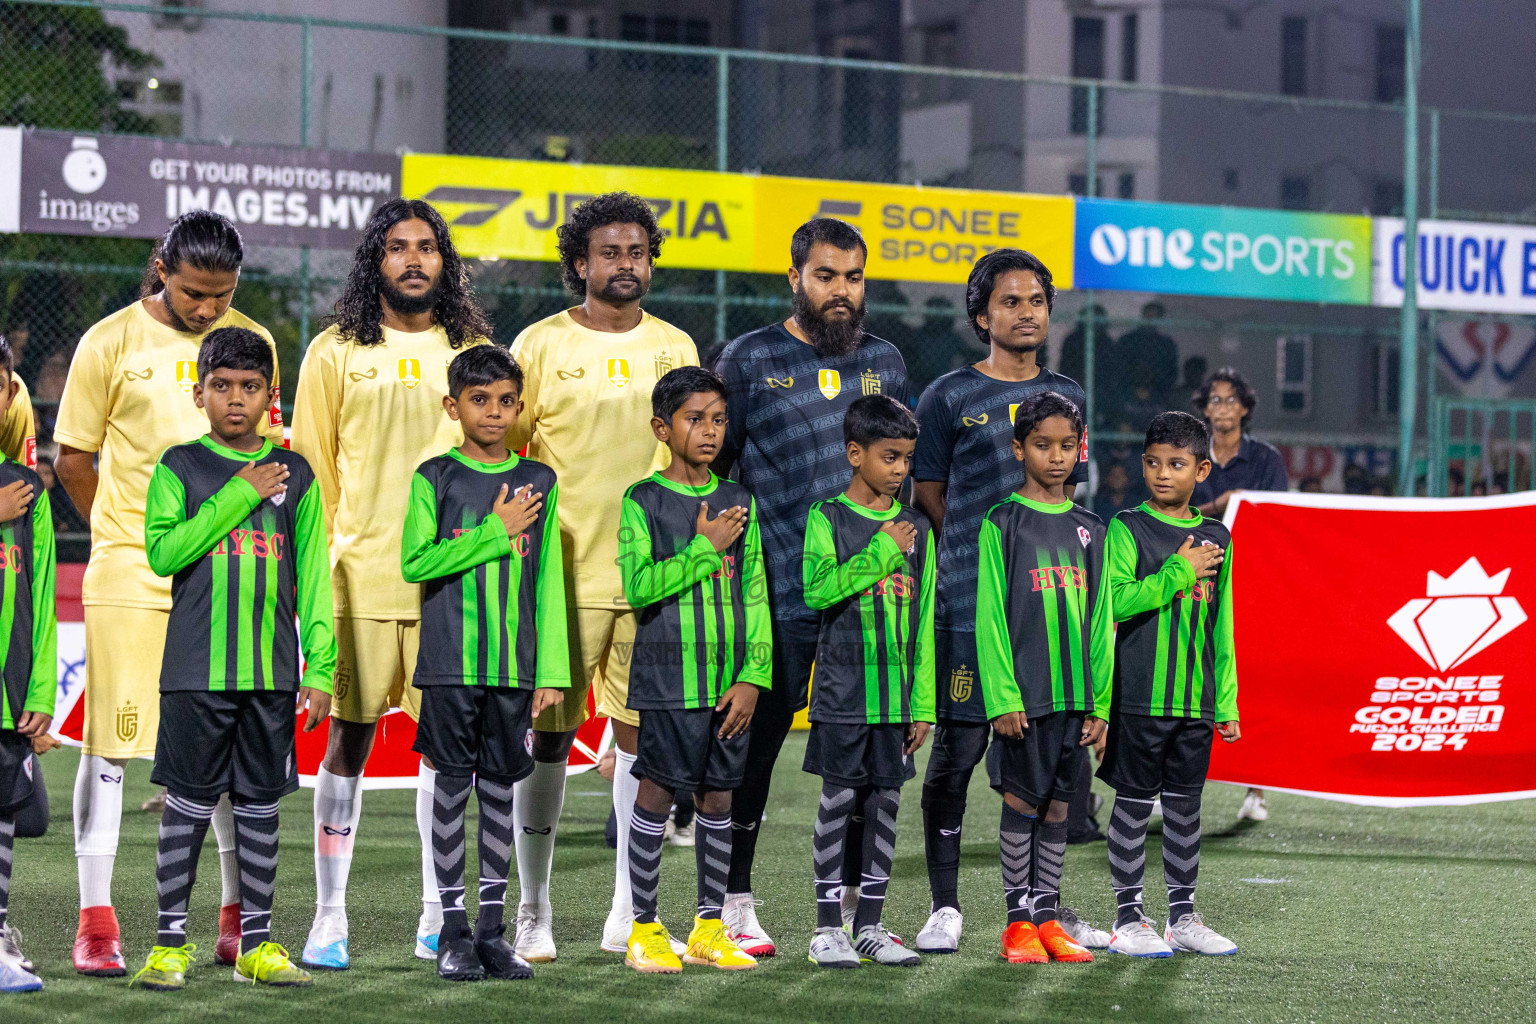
(714, 221)
(122, 186)
(1222, 251)
(1383, 652)
(1479, 268)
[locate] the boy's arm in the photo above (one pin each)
(758, 669)
(922, 681)
(317, 634)
(647, 581)
(827, 582)
(423, 557)
(994, 647)
(553, 666)
(1101, 635)
(1226, 651)
(44, 684)
(173, 542)
(1131, 596)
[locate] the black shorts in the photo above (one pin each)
(680, 749)
(958, 747)
(855, 755)
(240, 742)
(1149, 754)
(1044, 764)
(958, 688)
(477, 730)
(18, 772)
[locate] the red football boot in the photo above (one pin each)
(1021, 944)
(227, 950)
(1062, 946)
(99, 944)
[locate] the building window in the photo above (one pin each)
(1293, 374)
(1293, 56)
(1229, 179)
(858, 101)
(1087, 62)
(1295, 192)
(1384, 370)
(1130, 31)
(1387, 197)
(1391, 63)
(1126, 186)
(559, 24)
(1077, 184)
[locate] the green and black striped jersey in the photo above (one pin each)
(493, 606)
(29, 661)
(1173, 653)
(703, 614)
(241, 569)
(874, 652)
(1044, 626)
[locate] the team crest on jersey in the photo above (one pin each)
(1013, 413)
(830, 383)
(781, 382)
(410, 373)
(1083, 535)
(974, 421)
(663, 366)
(961, 680)
(279, 497)
(128, 722)
(869, 380)
(186, 374)
(618, 373)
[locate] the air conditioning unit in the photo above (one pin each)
(182, 14)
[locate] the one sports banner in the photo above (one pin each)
(509, 209)
(1383, 651)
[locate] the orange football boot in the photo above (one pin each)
(1021, 944)
(1062, 946)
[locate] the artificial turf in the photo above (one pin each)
(1341, 914)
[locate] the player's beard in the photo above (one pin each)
(832, 339)
(177, 323)
(410, 305)
(608, 293)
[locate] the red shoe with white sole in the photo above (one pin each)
(98, 948)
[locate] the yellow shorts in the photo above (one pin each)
(122, 679)
(375, 660)
(601, 640)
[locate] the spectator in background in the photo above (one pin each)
(1358, 481)
(1195, 368)
(1147, 360)
(1238, 463)
(1115, 492)
(66, 518)
(1310, 485)
(1381, 487)
(1108, 395)
(51, 378)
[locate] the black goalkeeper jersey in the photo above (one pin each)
(874, 652)
(786, 407)
(1173, 651)
(492, 606)
(1044, 626)
(966, 443)
(29, 663)
(703, 621)
(242, 568)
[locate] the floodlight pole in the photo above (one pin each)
(1408, 327)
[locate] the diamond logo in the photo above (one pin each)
(1458, 616)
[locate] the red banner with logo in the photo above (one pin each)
(1383, 651)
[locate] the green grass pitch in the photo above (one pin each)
(1372, 915)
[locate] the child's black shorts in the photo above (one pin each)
(859, 754)
(213, 742)
(1147, 754)
(680, 749)
(1044, 763)
(16, 771)
(477, 730)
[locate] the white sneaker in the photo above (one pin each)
(1139, 938)
(1083, 933)
(1254, 808)
(1190, 935)
(942, 932)
(850, 909)
(326, 947)
(741, 924)
(876, 945)
(535, 938)
(831, 947)
(10, 945)
(680, 835)
(428, 927)
(621, 918)
(16, 978)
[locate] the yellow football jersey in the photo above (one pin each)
(587, 415)
(365, 416)
(18, 430)
(129, 397)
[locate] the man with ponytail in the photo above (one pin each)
(128, 399)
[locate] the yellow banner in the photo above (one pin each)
(510, 208)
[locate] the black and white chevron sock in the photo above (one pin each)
(183, 824)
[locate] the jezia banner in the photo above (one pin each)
(1384, 655)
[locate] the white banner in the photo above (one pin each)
(1463, 265)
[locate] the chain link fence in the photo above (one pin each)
(1326, 375)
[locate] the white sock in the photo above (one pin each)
(536, 805)
(431, 907)
(98, 818)
(626, 789)
(338, 805)
(229, 866)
